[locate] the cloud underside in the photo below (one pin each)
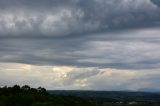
(77, 43)
(117, 34)
(138, 49)
(70, 78)
(74, 17)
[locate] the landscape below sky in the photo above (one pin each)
(109, 45)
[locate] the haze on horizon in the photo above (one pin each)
(80, 44)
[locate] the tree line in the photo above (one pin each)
(27, 96)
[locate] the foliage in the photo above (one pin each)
(27, 96)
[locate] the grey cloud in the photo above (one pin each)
(116, 34)
(124, 80)
(156, 2)
(73, 17)
(33, 4)
(80, 74)
(60, 32)
(84, 73)
(122, 52)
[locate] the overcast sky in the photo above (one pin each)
(80, 44)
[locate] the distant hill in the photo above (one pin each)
(149, 90)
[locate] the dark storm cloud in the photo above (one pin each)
(74, 17)
(69, 32)
(74, 44)
(104, 52)
(156, 2)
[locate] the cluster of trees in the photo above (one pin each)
(24, 89)
(27, 96)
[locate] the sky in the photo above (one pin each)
(80, 44)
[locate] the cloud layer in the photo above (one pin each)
(79, 44)
(138, 49)
(68, 78)
(79, 17)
